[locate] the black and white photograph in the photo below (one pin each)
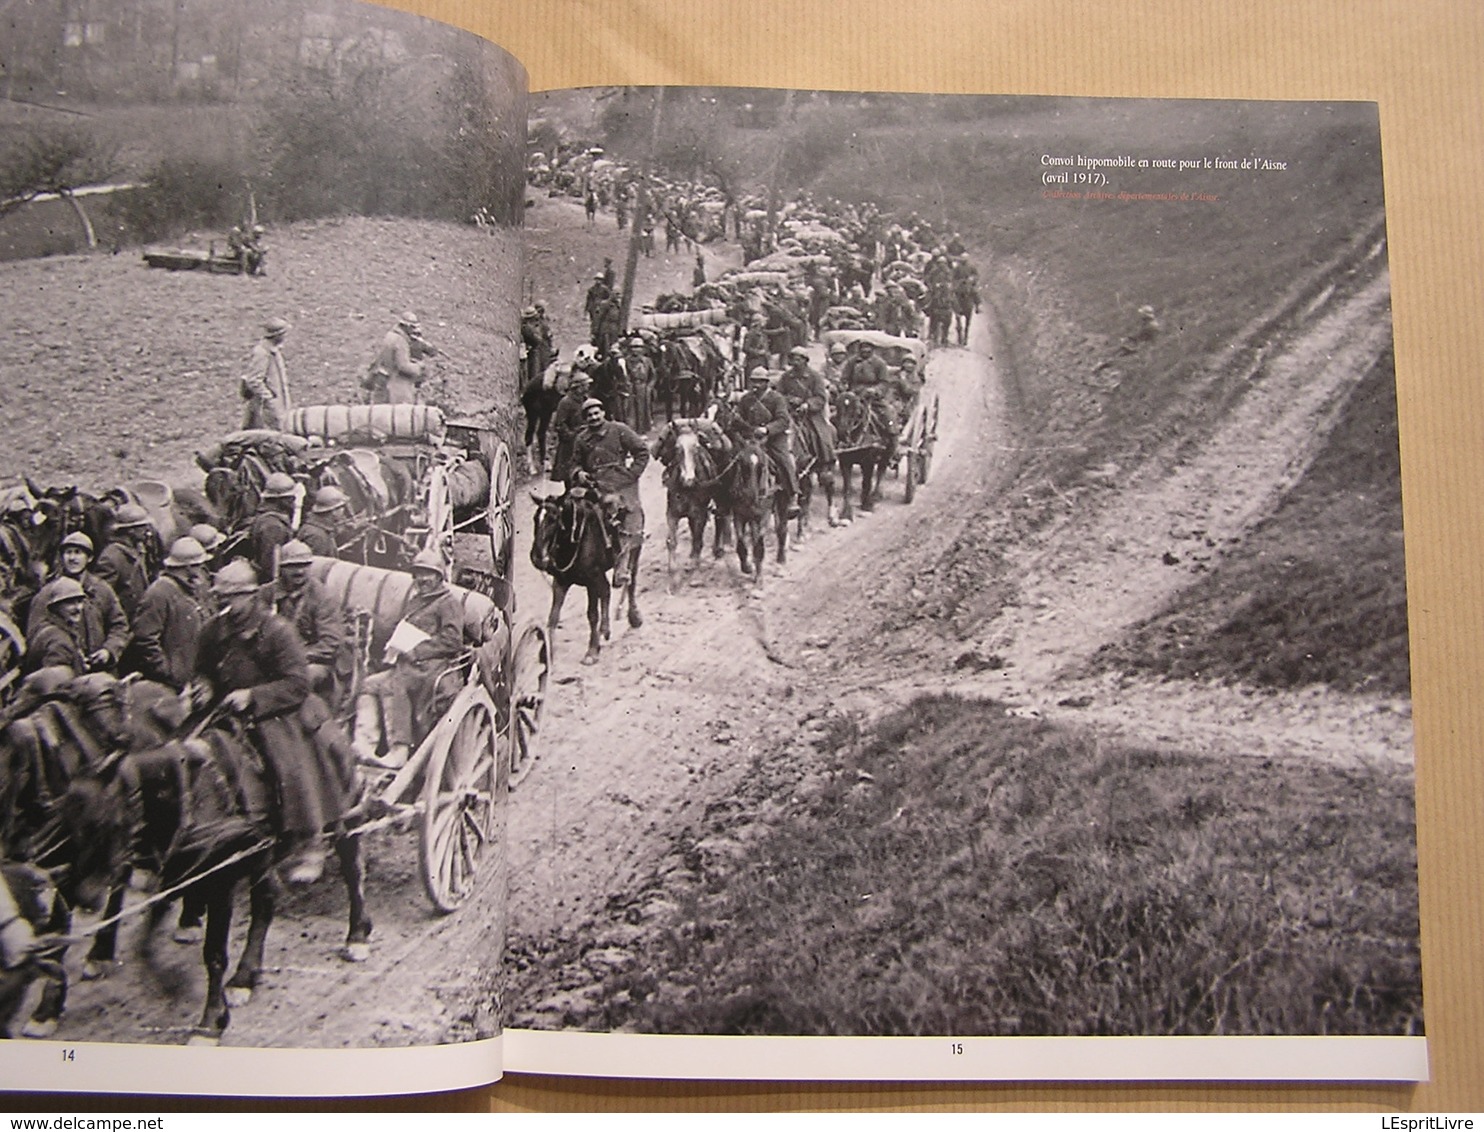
(259, 276)
(687, 561)
(1007, 634)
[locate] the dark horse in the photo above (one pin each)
(750, 492)
(864, 439)
(690, 449)
(198, 812)
(574, 544)
(539, 397)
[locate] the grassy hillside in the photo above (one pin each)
(960, 871)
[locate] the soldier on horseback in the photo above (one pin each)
(761, 417)
(611, 457)
(807, 396)
(252, 661)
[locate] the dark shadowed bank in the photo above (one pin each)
(958, 871)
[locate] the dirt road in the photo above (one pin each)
(637, 748)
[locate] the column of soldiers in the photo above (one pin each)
(248, 632)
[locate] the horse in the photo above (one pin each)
(749, 493)
(864, 439)
(815, 461)
(688, 448)
(572, 542)
(198, 812)
(688, 372)
(539, 398)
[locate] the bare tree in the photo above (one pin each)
(59, 160)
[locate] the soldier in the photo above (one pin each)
(57, 640)
(397, 372)
(566, 418)
(167, 628)
(807, 396)
(611, 456)
(756, 345)
(104, 630)
(432, 635)
(271, 527)
(212, 541)
(265, 385)
(698, 276)
(252, 660)
(320, 528)
(761, 417)
(608, 325)
(302, 602)
(122, 563)
(641, 384)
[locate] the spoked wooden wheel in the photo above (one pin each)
(460, 801)
(530, 669)
(439, 506)
(502, 509)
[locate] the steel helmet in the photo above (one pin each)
(186, 552)
(328, 498)
(294, 553)
(236, 577)
(208, 536)
(79, 540)
(585, 356)
(130, 515)
(429, 560)
(276, 327)
(837, 348)
(759, 373)
(66, 589)
(279, 485)
(407, 319)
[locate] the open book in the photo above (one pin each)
(1063, 734)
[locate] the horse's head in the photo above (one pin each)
(691, 462)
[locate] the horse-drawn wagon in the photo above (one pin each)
(412, 478)
(485, 714)
(917, 421)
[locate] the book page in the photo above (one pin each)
(1066, 732)
(261, 272)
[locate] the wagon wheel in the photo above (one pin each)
(530, 668)
(909, 485)
(460, 800)
(502, 509)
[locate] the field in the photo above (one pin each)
(117, 372)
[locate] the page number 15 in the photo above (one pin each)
(956, 1048)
